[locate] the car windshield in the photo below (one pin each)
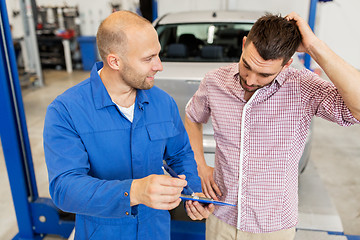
(202, 42)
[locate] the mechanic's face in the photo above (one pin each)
(255, 72)
(142, 61)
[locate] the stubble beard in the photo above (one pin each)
(134, 80)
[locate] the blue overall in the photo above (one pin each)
(93, 153)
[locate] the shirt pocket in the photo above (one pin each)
(159, 134)
(161, 131)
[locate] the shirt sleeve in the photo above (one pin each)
(179, 155)
(71, 187)
(322, 99)
(198, 109)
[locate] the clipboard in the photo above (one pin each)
(205, 200)
(193, 197)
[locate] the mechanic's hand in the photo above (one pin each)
(198, 211)
(308, 37)
(157, 191)
(209, 187)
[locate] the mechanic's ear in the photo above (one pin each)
(114, 61)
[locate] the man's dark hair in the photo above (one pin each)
(274, 37)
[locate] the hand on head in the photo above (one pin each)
(308, 37)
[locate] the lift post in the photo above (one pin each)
(312, 17)
(154, 9)
(36, 216)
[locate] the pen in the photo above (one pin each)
(168, 169)
(192, 197)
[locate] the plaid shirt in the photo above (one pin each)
(259, 142)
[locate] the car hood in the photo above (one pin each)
(187, 70)
(181, 80)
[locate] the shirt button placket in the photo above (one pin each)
(126, 194)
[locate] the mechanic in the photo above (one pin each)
(105, 140)
(261, 110)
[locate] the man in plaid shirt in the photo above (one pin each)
(261, 110)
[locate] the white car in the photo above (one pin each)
(192, 44)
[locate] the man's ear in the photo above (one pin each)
(287, 64)
(244, 41)
(114, 61)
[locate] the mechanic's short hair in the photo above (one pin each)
(111, 35)
(274, 37)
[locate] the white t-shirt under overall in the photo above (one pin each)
(128, 112)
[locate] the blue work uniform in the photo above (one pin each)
(93, 153)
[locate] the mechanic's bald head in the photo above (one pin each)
(113, 33)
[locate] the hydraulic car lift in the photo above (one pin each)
(38, 216)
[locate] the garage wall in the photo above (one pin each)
(275, 6)
(337, 22)
(91, 12)
(16, 22)
(166, 6)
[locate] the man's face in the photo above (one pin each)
(142, 61)
(255, 72)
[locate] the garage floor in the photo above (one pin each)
(329, 188)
